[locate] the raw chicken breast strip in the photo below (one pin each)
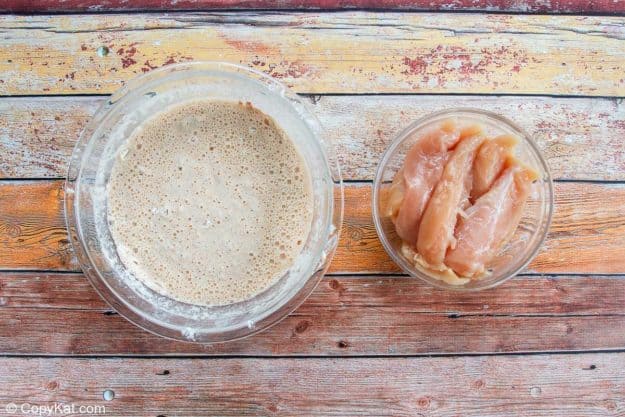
(489, 162)
(396, 195)
(491, 221)
(413, 184)
(450, 197)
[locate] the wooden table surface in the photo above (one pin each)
(369, 340)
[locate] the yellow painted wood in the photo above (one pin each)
(347, 52)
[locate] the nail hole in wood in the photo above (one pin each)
(164, 372)
(108, 395)
(102, 51)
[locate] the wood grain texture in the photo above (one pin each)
(345, 316)
(555, 385)
(60, 314)
(580, 137)
(587, 234)
(525, 6)
(344, 52)
(567, 295)
(32, 227)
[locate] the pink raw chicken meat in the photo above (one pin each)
(413, 184)
(489, 162)
(436, 232)
(396, 194)
(491, 221)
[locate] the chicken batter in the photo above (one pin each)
(209, 202)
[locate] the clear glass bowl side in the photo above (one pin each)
(532, 229)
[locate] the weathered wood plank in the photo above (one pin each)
(566, 295)
(33, 235)
(337, 332)
(37, 135)
(62, 314)
(32, 227)
(48, 290)
(542, 385)
(345, 52)
(581, 137)
(525, 6)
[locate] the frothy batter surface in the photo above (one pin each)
(209, 202)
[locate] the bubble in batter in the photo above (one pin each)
(209, 202)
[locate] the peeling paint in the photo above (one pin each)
(348, 52)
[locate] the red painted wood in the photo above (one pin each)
(532, 6)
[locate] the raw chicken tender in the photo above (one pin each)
(489, 162)
(457, 200)
(491, 221)
(413, 184)
(436, 232)
(396, 194)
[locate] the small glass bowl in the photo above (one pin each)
(86, 202)
(532, 230)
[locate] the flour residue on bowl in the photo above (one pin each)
(209, 202)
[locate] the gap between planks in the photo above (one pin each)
(192, 356)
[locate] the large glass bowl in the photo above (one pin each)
(534, 224)
(86, 201)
